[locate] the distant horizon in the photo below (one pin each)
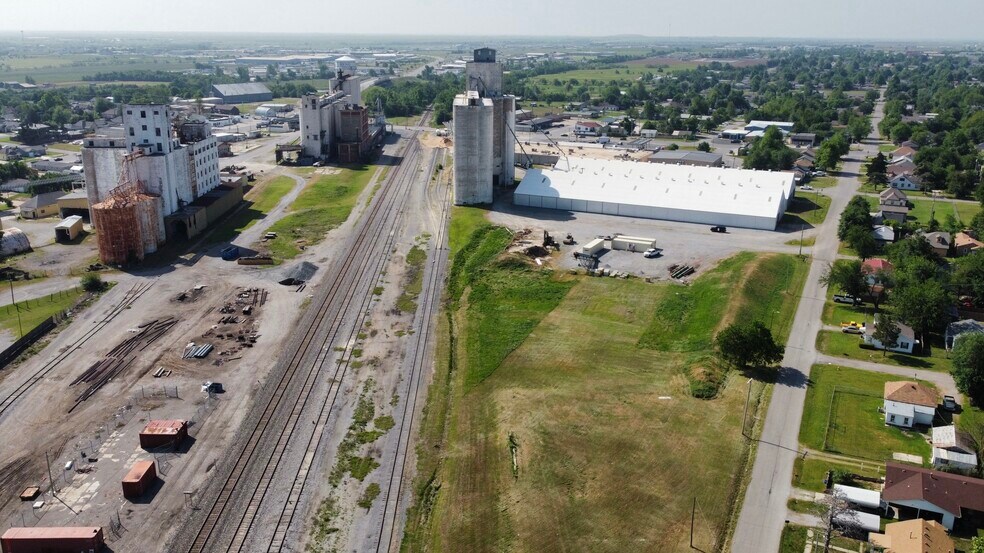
(629, 38)
(908, 21)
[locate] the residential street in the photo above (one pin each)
(764, 509)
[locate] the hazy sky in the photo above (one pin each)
(840, 19)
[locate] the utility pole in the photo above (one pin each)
(51, 480)
(744, 414)
(17, 309)
(693, 512)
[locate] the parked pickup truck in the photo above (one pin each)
(844, 298)
(949, 403)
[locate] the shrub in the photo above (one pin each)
(92, 282)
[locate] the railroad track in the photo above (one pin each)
(389, 535)
(360, 264)
(132, 295)
(290, 508)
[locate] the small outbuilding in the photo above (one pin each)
(40, 206)
(913, 536)
(159, 433)
(69, 229)
(951, 450)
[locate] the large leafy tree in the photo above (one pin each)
(831, 151)
(877, 168)
(969, 276)
(770, 152)
(968, 366)
(748, 344)
(923, 305)
(847, 277)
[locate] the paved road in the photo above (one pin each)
(764, 509)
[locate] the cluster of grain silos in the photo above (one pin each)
(484, 131)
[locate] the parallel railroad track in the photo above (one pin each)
(129, 298)
(361, 263)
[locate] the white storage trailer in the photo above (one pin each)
(867, 499)
(593, 246)
(632, 243)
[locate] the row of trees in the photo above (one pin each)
(410, 97)
(15, 170)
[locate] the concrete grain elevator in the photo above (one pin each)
(484, 122)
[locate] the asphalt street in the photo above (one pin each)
(763, 512)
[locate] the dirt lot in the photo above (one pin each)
(688, 243)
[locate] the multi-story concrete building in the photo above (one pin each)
(334, 125)
(162, 170)
(493, 164)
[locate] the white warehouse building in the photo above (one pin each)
(707, 195)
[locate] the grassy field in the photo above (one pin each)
(806, 209)
(324, 204)
(848, 346)
(72, 67)
(567, 374)
(32, 312)
(841, 416)
(925, 210)
(259, 201)
(66, 147)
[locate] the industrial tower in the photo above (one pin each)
(484, 122)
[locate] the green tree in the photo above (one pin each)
(859, 127)
(977, 545)
(271, 71)
(968, 366)
(877, 168)
(831, 151)
(847, 277)
(887, 331)
(673, 146)
(862, 242)
(242, 72)
(704, 147)
(770, 152)
(969, 276)
(923, 305)
(748, 344)
(92, 282)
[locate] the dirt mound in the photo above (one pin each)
(298, 274)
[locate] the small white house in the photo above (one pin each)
(590, 128)
(908, 404)
(950, 449)
(904, 344)
(906, 181)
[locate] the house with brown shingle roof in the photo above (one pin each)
(949, 495)
(964, 243)
(904, 152)
(893, 196)
(908, 403)
(913, 536)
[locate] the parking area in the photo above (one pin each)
(682, 243)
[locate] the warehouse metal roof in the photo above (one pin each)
(682, 187)
(239, 89)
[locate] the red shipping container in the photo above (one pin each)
(161, 433)
(69, 539)
(141, 477)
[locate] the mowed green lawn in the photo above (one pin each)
(324, 204)
(259, 201)
(840, 344)
(33, 312)
(841, 416)
(806, 208)
(611, 448)
(924, 210)
(809, 473)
